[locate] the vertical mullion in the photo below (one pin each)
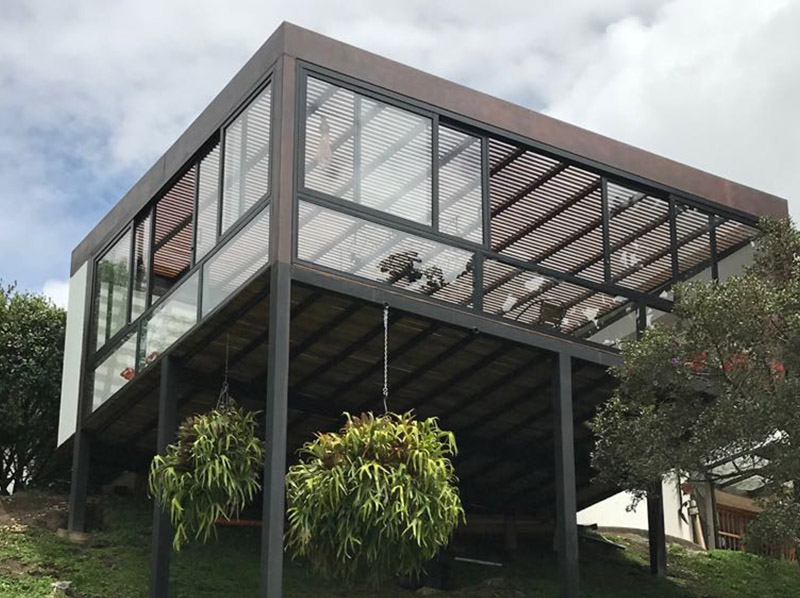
(196, 209)
(673, 237)
(131, 273)
(221, 183)
(606, 230)
(435, 173)
(151, 273)
(486, 207)
(477, 281)
(712, 234)
(641, 320)
(245, 118)
(357, 148)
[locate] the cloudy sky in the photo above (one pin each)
(92, 92)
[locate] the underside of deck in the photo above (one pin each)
(494, 394)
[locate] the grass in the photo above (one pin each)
(115, 564)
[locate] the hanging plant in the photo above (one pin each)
(211, 473)
(377, 499)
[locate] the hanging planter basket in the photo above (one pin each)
(211, 473)
(377, 499)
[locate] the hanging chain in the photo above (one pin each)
(385, 357)
(224, 394)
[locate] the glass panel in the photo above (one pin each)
(460, 187)
(111, 290)
(234, 264)
(173, 234)
(207, 203)
(141, 266)
(375, 252)
(114, 372)
(640, 246)
(396, 155)
(246, 172)
(169, 320)
(694, 240)
(330, 133)
(366, 151)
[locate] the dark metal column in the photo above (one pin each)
(79, 485)
(566, 501)
(276, 423)
(656, 532)
(167, 431)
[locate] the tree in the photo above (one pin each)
(31, 354)
(715, 396)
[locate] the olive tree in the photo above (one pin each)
(721, 384)
(31, 352)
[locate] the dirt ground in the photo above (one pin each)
(33, 509)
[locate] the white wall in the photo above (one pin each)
(613, 512)
(73, 348)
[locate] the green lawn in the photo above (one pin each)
(114, 564)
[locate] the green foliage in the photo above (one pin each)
(720, 385)
(211, 473)
(31, 355)
(377, 499)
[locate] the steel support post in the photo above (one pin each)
(79, 485)
(275, 424)
(166, 434)
(566, 501)
(656, 532)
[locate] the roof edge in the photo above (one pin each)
(398, 78)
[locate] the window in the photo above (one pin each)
(111, 290)
(368, 152)
(142, 233)
(207, 203)
(235, 263)
(460, 188)
(172, 249)
(246, 171)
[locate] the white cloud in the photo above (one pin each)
(94, 92)
(58, 291)
(704, 84)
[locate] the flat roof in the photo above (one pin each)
(485, 111)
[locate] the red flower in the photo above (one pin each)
(778, 367)
(698, 362)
